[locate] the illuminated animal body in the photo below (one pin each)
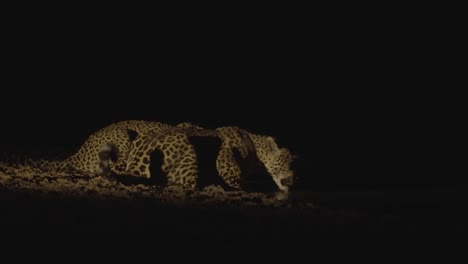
(107, 150)
(125, 148)
(239, 154)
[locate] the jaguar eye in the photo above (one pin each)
(286, 182)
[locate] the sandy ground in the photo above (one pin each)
(24, 179)
(32, 200)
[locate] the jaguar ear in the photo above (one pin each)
(272, 144)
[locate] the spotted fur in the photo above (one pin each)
(252, 147)
(125, 148)
(237, 145)
(180, 159)
(107, 150)
(276, 160)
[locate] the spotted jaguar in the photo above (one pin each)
(239, 154)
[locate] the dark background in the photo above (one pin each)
(365, 102)
(370, 99)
